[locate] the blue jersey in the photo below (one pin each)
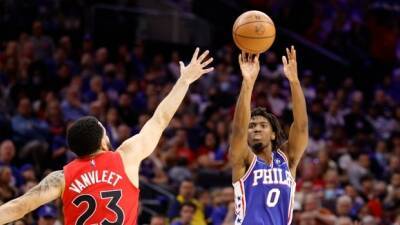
(265, 194)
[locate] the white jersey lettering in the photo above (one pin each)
(92, 177)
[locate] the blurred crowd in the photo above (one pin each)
(350, 171)
(355, 29)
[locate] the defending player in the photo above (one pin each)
(101, 186)
(263, 175)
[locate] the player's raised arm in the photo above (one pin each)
(298, 134)
(142, 145)
(240, 154)
(49, 189)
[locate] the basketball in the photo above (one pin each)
(253, 32)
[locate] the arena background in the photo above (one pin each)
(116, 60)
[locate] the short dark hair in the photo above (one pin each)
(280, 136)
(84, 136)
(187, 179)
(189, 204)
(366, 177)
(161, 216)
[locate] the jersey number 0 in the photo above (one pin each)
(273, 197)
(112, 205)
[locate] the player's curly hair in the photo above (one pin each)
(84, 136)
(280, 136)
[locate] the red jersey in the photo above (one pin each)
(98, 191)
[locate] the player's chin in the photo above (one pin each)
(257, 147)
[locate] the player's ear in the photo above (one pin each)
(273, 136)
(104, 145)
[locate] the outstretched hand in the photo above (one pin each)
(249, 65)
(290, 64)
(196, 67)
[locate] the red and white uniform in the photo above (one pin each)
(98, 191)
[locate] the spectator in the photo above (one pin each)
(72, 106)
(316, 142)
(186, 194)
(26, 127)
(222, 207)
(205, 203)
(275, 100)
(7, 154)
(47, 215)
(125, 110)
(357, 201)
(173, 66)
(397, 222)
(54, 117)
(43, 45)
(111, 125)
(28, 173)
(101, 58)
(187, 213)
(7, 190)
(158, 220)
(309, 89)
(210, 155)
(332, 191)
(87, 66)
(314, 213)
(369, 220)
(343, 206)
(369, 196)
(335, 116)
(344, 221)
(96, 87)
(271, 69)
(393, 191)
(356, 122)
(63, 77)
(20, 222)
(357, 169)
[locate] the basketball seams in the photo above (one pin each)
(249, 37)
(238, 36)
(256, 21)
(248, 49)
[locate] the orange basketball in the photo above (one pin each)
(253, 32)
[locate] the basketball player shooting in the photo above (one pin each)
(101, 186)
(263, 162)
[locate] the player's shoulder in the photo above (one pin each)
(121, 153)
(284, 147)
(55, 179)
(57, 175)
(284, 150)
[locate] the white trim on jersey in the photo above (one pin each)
(292, 188)
(240, 195)
(253, 162)
(240, 202)
(283, 156)
(287, 162)
(291, 203)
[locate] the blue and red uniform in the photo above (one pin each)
(265, 194)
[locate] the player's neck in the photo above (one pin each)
(94, 154)
(266, 154)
